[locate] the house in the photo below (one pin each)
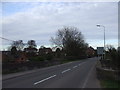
(21, 58)
(90, 52)
(18, 58)
(30, 50)
(43, 51)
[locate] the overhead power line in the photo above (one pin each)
(7, 39)
(10, 40)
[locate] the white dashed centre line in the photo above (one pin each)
(44, 79)
(65, 70)
(75, 66)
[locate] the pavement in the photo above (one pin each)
(77, 74)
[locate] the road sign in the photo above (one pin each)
(100, 50)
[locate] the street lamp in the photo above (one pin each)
(98, 25)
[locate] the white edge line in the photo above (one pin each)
(44, 79)
(65, 70)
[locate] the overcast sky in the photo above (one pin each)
(40, 21)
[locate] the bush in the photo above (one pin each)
(49, 57)
(37, 58)
(113, 54)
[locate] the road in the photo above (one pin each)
(77, 74)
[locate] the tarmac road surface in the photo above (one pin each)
(77, 74)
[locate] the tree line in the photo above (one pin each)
(69, 39)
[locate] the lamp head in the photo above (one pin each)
(98, 25)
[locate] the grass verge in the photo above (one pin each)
(110, 84)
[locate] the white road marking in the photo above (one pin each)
(75, 66)
(44, 79)
(65, 70)
(81, 63)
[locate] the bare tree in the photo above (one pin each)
(32, 43)
(18, 44)
(71, 40)
(13, 50)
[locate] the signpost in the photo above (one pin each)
(100, 51)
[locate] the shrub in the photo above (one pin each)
(113, 54)
(37, 58)
(49, 57)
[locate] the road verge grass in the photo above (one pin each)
(107, 77)
(110, 84)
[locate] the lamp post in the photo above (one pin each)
(104, 36)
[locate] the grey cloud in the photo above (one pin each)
(47, 18)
